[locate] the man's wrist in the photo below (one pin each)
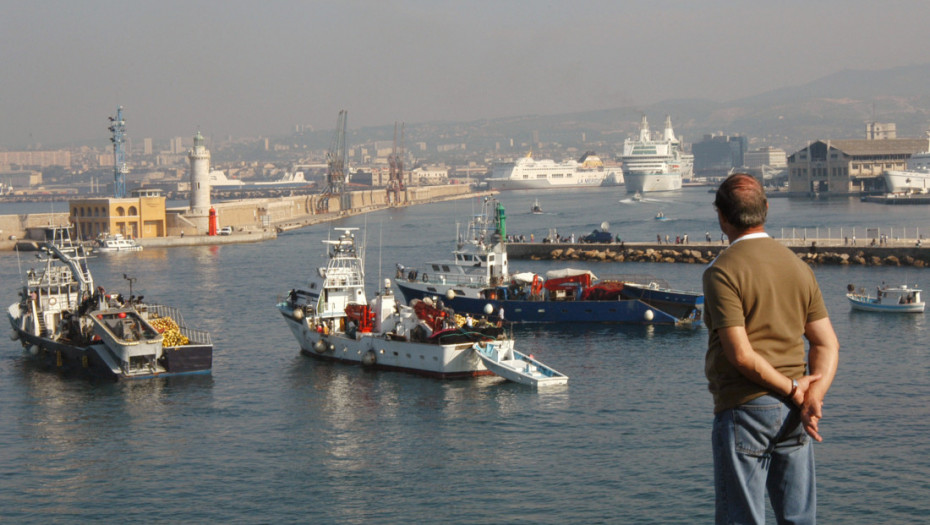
(794, 388)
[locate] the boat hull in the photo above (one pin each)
(630, 311)
(387, 351)
(678, 303)
(501, 184)
(518, 367)
(907, 181)
(647, 182)
(868, 304)
(95, 361)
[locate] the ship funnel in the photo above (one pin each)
(644, 129)
(669, 134)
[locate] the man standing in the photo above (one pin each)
(760, 299)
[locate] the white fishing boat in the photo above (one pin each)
(528, 173)
(655, 164)
(116, 243)
(68, 323)
(518, 367)
(536, 208)
(890, 299)
(333, 320)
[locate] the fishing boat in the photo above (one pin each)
(116, 243)
(536, 208)
(477, 279)
(661, 217)
(67, 322)
(333, 320)
(893, 299)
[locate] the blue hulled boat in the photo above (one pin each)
(477, 280)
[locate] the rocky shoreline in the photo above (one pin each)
(704, 254)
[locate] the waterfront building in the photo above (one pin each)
(848, 166)
(36, 159)
(769, 157)
(714, 155)
(140, 215)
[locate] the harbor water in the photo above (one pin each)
(276, 437)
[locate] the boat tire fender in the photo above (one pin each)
(298, 314)
(370, 358)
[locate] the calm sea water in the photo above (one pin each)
(273, 436)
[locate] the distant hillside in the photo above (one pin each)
(837, 106)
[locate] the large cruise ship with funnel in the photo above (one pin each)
(655, 164)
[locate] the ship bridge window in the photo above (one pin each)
(445, 268)
(435, 267)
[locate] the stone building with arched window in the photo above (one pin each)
(140, 216)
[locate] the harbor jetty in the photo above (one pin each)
(812, 251)
(251, 220)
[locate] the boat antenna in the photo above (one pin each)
(380, 245)
(19, 262)
(130, 279)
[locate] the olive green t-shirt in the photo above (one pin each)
(761, 285)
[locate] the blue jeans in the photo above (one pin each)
(757, 446)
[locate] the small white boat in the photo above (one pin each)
(515, 366)
(661, 217)
(637, 196)
(536, 207)
(116, 243)
(894, 299)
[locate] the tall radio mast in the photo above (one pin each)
(118, 128)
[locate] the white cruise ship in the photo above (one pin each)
(914, 179)
(528, 173)
(655, 164)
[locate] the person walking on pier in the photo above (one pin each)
(760, 299)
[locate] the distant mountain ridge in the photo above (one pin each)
(837, 106)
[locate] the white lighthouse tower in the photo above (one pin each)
(199, 157)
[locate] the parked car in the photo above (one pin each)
(225, 230)
(601, 236)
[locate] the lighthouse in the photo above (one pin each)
(199, 157)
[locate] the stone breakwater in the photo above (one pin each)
(705, 253)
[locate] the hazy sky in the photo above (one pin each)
(250, 68)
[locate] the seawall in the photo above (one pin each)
(252, 220)
(825, 251)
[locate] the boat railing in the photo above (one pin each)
(194, 335)
(642, 279)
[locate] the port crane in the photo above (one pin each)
(118, 129)
(396, 166)
(337, 173)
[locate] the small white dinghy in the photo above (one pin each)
(516, 366)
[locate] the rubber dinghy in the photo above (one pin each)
(516, 366)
